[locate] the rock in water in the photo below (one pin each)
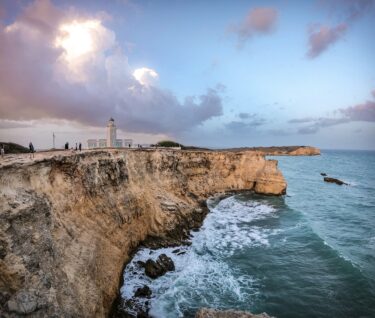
(153, 269)
(323, 174)
(166, 262)
(334, 180)
(162, 265)
(214, 313)
(144, 291)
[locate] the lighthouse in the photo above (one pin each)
(111, 141)
(111, 133)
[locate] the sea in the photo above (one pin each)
(310, 253)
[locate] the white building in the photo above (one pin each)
(111, 133)
(102, 143)
(118, 143)
(128, 143)
(111, 140)
(92, 143)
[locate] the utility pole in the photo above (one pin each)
(53, 137)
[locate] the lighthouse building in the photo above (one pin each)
(111, 141)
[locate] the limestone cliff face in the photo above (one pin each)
(69, 223)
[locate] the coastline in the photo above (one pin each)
(78, 217)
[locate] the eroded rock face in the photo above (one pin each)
(214, 313)
(69, 223)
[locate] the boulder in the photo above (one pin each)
(144, 292)
(214, 313)
(323, 174)
(166, 262)
(334, 180)
(162, 265)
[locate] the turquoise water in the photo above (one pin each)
(308, 254)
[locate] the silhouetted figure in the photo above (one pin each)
(80, 147)
(76, 147)
(2, 150)
(32, 150)
(66, 146)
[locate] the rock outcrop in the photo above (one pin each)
(334, 180)
(68, 223)
(283, 150)
(214, 313)
(155, 269)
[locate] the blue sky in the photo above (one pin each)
(259, 89)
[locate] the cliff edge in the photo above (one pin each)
(69, 222)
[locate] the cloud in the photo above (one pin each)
(301, 120)
(9, 124)
(246, 115)
(260, 20)
(246, 125)
(322, 122)
(360, 112)
(308, 130)
(322, 37)
(67, 65)
(145, 76)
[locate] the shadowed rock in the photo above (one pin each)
(162, 265)
(334, 180)
(144, 291)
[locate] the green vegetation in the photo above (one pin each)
(168, 143)
(10, 147)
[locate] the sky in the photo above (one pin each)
(204, 73)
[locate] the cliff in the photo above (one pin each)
(284, 150)
(69, 222)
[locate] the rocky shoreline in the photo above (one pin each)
(70, 221)
(177, 238)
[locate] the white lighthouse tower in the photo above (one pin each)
(111, 133)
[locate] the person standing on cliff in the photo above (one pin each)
(80, 147)
(32, 150)
(2, 151)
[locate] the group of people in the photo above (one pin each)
(78, 146)
(31, 150)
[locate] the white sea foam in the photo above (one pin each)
(202, 275)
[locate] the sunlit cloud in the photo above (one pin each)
(145, 76)
(77, 38)
(78, 71)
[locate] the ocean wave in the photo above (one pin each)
(202, 275)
